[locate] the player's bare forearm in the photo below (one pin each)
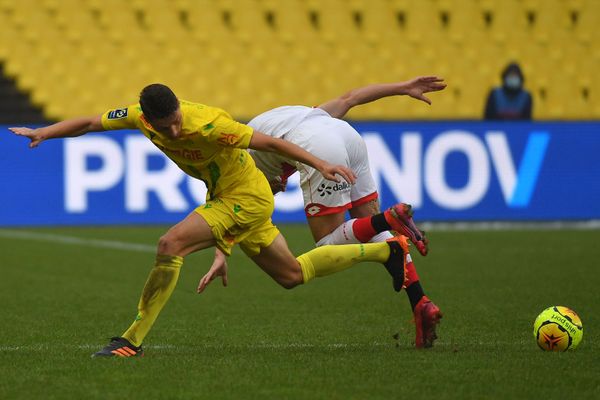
(415, 88)
(337, 108)
(67, 128)
(262, 142)
(72, 127)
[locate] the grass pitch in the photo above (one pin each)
(331, 339)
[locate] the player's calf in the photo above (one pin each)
(396, 263)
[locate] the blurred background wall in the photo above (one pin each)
(76, 57)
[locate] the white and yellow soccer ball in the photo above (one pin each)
(558, 328)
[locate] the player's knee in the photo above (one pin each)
(163, 245)
(291, 280)
(289, 284)
(168, 244)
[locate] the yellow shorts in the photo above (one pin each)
(243, 218)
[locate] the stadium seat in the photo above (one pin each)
(508, 23)
(256, 54)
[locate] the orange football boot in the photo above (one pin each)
(399, 217)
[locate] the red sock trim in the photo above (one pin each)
(411, 274)
(363, 230)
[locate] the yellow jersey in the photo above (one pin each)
(210, 147)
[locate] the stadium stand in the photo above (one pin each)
(78, 57)
(15, 107)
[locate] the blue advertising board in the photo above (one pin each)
(448, 171)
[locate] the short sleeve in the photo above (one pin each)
(230, 133)
(121, 118)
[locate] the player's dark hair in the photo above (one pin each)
(158, 101)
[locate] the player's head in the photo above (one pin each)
(161, 109)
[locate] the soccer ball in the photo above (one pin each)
(558, 328)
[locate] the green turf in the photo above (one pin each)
(331, 339)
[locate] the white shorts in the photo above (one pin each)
(336, 142)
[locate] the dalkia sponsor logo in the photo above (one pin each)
(325, 189)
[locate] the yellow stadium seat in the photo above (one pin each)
(588, 21)
(335, 21)
(379, 23)
(507, 20)
(464, 23)
(256, 54)
(292, 22)
(421, 21)
(594, 102)
(207, 23)
(11, 40)
(249, 22)
(551, 20)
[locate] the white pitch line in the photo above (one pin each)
(256, 346)
(429, 226)
(72, 240)
(276, 346)
(267, 346)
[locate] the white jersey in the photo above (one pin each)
(328, 138)
(280, 123)
(281, 120)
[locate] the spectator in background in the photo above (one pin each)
(510, 101)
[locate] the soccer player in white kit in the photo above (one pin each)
(320, 131)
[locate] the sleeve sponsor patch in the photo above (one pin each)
(119, 113)
(227, 139)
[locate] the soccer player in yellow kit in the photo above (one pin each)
(208, 144)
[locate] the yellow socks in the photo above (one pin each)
(158, 289)
(321, 261)
(326, 260)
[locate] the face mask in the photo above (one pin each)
(512, 82)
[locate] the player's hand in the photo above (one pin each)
(218, 268)
(416, 87)
(31, 134)
(329, 172)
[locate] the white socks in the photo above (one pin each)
(344, 234)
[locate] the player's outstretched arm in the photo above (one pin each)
(415, 88)
(67, 128)
(262, 142)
